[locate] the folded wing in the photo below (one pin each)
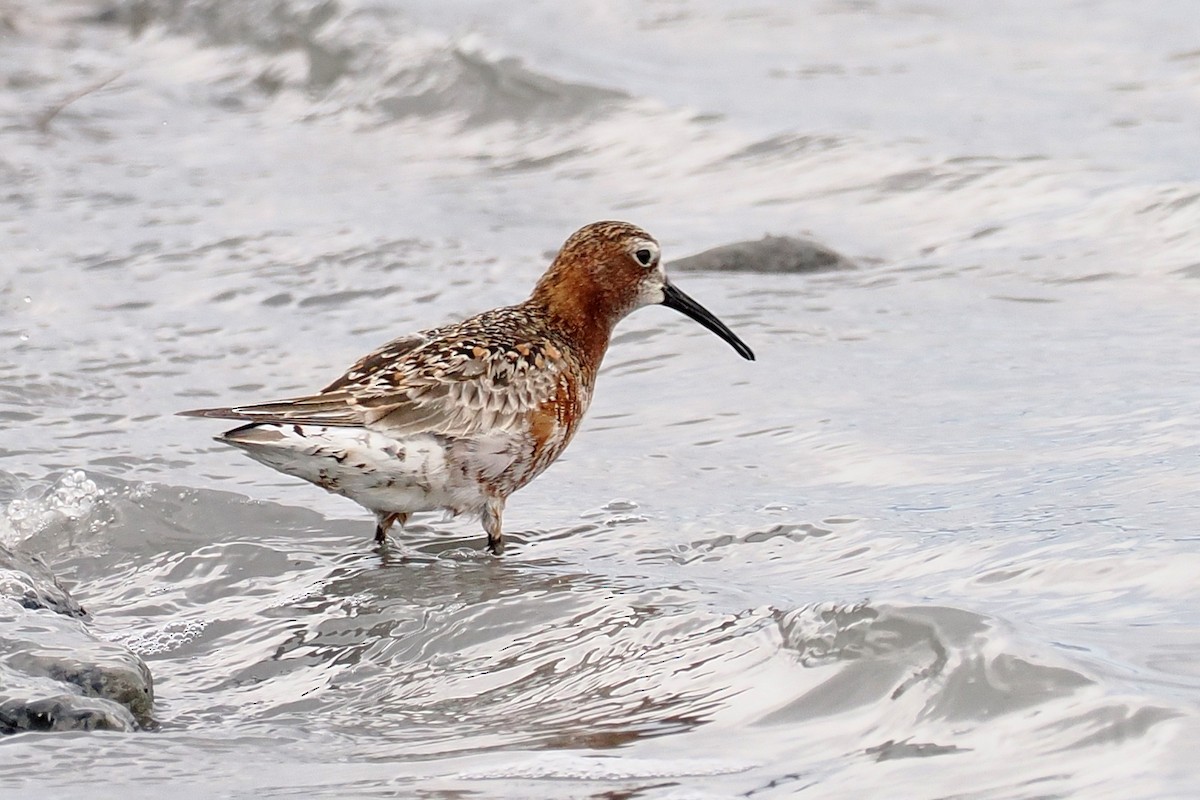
(430, 382)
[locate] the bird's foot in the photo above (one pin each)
(495, 545)
(493, 513)
(384, 524)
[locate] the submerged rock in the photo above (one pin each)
(30, 582)
(768, 254)
(65, 712)
(55, 675)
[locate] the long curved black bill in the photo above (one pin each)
(673, 298)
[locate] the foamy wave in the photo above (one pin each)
(73, 502)
(361, 57)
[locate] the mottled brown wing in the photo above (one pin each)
(334, 408)
(382, 358)
(478, 376)
(462, 386)
(334, 405)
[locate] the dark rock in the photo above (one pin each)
(30, 582)
(768, 254)
(65, 712)
(55, 675)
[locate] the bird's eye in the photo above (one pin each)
(644, 256)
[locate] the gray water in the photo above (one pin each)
(939, 541)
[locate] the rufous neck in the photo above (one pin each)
(581, 311)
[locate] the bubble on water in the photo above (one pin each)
(621, 505)
(618, 505)
(167, 639)
(138, 492)
(74, 501)
(551, 766)
(295, 598)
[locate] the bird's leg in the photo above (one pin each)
(493, 511)
(385, 521)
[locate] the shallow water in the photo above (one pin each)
(940, 540)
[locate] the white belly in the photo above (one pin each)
(422, 472)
